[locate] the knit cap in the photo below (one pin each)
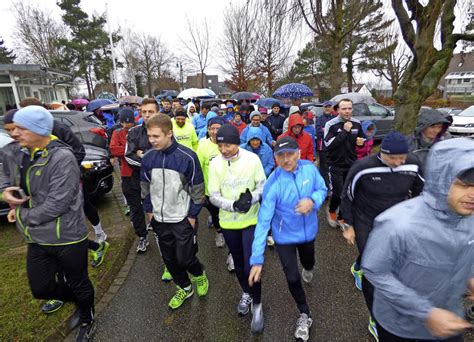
(35, 119)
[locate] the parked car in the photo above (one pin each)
(97, 171)
(382, 117)
(463, 123)
(450, 110)
(87, 127)
(315, 107)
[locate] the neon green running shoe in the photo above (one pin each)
(166, 277)
(99, 255)
(357, 277)
(373, 329)
(202, 284)
(180, 296)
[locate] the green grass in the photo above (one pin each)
(21, 318)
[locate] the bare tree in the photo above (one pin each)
(37, 33)
(272, 44)
(422, 27)
(152, 58)
(237, 46)
(196, 46)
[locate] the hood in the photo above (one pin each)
(254, 132)
(445, 161)
(428, 118)
(210, 115)
(365, 125)
(189, 107)
(294, 120)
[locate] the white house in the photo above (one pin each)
(18, 81)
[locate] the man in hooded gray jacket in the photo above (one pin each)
(420, 254)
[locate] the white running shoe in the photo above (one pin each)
(230, 263)
(270, 241)
(302, 327)
(307, 275)
(220, 241)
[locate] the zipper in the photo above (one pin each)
(20, 222)
(163, 198)
(299, 199)
(229, 174)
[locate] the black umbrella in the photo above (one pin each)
(244, 95)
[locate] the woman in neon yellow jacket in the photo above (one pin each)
(236, 180)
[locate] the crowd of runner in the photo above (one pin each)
(263, 177)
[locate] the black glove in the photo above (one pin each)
(243, 204)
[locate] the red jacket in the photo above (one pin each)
(117, 149)
(304, 140)
(240, 127)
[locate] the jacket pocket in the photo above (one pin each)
(426, 275)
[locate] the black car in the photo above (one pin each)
(97, 171)
(86, 126)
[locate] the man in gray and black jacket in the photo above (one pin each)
(42, 183)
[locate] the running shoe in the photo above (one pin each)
(373, 329)
(202, 284)
(357, 277)
(180, 296)
(220, 241)
(209, 222)
(99, 255)
(257, 318)
(85, 333)
(99, 238)
(230, 263)
(142, 245)
(307, 275)
(51, 306)
(244, 304)
(331, 218)
(166, 277)
(303, 324)
(270, 241)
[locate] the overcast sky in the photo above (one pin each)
(163, 18)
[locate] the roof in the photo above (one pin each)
(30, 68)
(460, 66)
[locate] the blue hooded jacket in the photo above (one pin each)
(282, 192)
(203, 131)
(266, 135)
(264, 152)
(200, 123)
(365, 125)
(420, 253)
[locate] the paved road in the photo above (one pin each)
(139, 311)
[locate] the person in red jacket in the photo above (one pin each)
(238, 123)
(119, 141)
(304, 140)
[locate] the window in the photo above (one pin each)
(209, 81)
(377, 110)
(467, 80)
(459, 81)
(360, 109)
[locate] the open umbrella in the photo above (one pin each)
(196, 93)
(293, 91)
(110, 107)
(244, 95)
(131, 99)
(355, 98)
(80, 102)
(268, 102)
(96, 104)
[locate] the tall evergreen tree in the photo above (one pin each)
(6, 56)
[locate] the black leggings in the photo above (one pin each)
(289, 262)
(337, 177)
(239, 242)
(60, 272)
(132, 192)
(385, 336)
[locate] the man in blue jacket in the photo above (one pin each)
(420, 253)
(291, 198)
(256, 145)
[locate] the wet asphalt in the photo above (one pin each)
(139, 311)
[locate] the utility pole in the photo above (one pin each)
(112, 50)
